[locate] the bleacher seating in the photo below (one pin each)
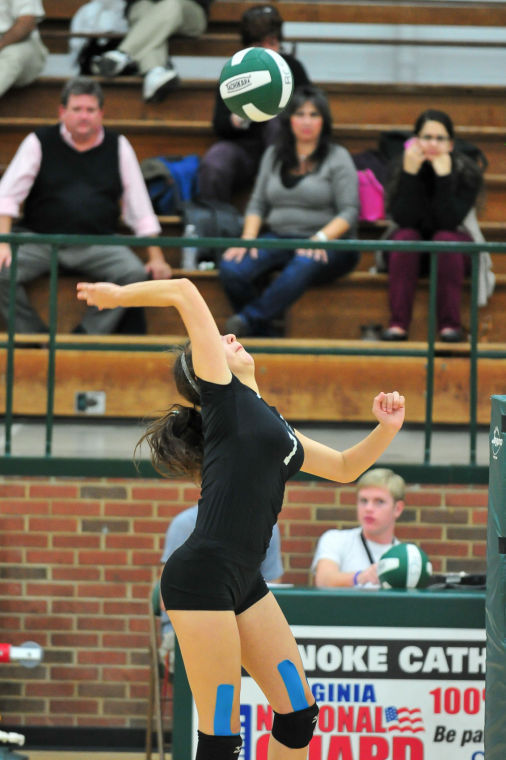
(361, 111)
(448, 12)
(308, 379)
(222, 38)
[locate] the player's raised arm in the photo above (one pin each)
(208, 355)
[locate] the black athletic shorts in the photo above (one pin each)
(203, 575)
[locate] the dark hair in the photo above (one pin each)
(469, 171)
(285, 145)
(81, 86)
(259, 22)
(431, 114)
(175, 439)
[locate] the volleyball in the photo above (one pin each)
(256, 84)
(404, 566)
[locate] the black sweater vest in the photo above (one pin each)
(75, 192)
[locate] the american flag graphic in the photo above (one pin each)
(404, 719)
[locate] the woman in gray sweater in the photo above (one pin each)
(306, 187)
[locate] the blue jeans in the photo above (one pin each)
(243, 280)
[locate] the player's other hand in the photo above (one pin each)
(389, 409)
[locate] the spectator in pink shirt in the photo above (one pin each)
(76, 177)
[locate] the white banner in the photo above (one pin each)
(384, 694)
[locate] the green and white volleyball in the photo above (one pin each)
(256, 84)
(404, 566)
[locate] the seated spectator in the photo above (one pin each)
(95, 17)
(151, 24)
(306, 187)
(232, 163)
(350, 557)
(76, 177)
(432, 190)
(22, 54)
(177, 533)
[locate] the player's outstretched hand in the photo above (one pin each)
(388, 408)
(103, 295)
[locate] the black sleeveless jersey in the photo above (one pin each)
(250, 452)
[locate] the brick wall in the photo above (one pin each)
(78, 559)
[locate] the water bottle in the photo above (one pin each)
(189, 254)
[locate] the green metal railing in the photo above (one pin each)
(433, 248)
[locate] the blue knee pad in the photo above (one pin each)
(218, 747)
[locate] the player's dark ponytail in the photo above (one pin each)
(175, 440)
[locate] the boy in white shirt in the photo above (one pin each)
(350, 557)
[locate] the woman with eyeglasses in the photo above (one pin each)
(432, 191)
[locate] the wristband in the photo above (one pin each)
(320, 235)
(355, 578)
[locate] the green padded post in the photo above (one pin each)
(155, 600)
(495, 702)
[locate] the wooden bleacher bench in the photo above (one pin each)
(56, 36)
(360, 113)
(473, 106)
(157, 136)
(430, 12)
(493, 231)
(138, 383)
(222, 38)
(333, 311)
(323, 320)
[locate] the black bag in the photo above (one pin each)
(472, 151)
(458, 582)
(391, 143)
(212, 218)
(93, 49)
(373, 160)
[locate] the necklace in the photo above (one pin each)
(303, 164)
(366, 546)
(304, 158)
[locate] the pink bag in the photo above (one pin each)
(371, 196)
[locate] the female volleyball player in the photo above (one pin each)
(222, 611)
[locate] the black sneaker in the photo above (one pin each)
(238, 326)
(112, 63)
